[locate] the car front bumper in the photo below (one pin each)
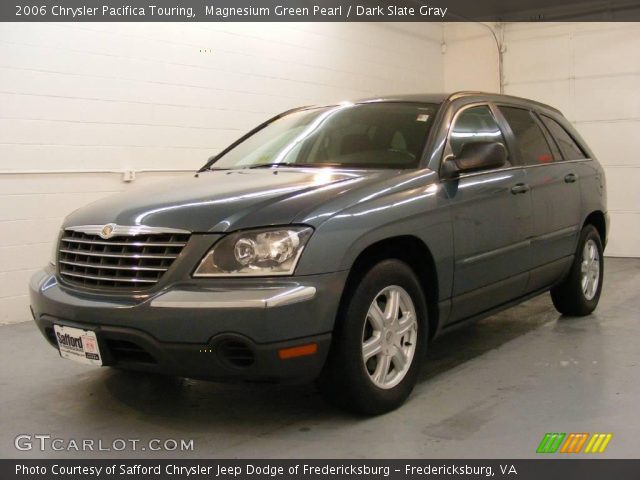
(238, 329)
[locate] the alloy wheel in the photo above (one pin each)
(590, 269)
(389, 337)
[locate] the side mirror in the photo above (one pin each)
(479, 156)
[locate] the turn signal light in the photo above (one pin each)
(301, 351)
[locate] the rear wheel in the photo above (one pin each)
(379, 341)
(579, 292)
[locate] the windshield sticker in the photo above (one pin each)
(422, 117)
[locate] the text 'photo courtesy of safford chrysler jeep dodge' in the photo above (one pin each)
(333, 243)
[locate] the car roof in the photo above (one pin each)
(439, 98)
(409, 97)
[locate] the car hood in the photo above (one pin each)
(219, 201)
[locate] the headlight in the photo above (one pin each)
(265, 252)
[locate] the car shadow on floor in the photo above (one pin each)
(476, 338)
(195, 404)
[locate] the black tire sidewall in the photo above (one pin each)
(568, 296)
(365, 396)
(589, 233)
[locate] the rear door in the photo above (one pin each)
(491, 216)
(555, 195)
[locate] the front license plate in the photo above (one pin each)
(78, 345)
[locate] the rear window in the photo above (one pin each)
(530, 139)
(569, 148)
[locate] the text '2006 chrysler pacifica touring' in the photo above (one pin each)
(333, 244)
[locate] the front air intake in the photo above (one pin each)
(236, 353)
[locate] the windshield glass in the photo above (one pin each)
(373, 135)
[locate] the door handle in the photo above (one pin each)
(520, 188)
(570, 178)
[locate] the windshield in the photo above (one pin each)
(373, 135)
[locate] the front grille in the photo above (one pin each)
(122, 262)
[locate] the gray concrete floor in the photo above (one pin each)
(490, 390)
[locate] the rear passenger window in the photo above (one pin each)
(569, 148)
(534, 148)
(475, 124)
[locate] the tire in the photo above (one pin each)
(573, 296)
(365, 387)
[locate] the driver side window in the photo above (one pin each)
(475, 124)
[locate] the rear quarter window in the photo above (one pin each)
(568, 146)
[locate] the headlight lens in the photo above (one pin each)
(265, 252)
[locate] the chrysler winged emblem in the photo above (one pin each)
(107, 230)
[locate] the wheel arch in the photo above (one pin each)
(409, 249)
(598, 220)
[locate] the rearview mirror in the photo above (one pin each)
(480, 156)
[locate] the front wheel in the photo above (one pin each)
(379, 341)
(579, 292)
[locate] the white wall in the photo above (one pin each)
(153, 97)
(590, 71)
(471, 58)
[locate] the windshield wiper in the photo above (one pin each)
(293, 165)
(271, 165)
(267, 165)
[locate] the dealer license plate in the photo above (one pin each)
(78, 345)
